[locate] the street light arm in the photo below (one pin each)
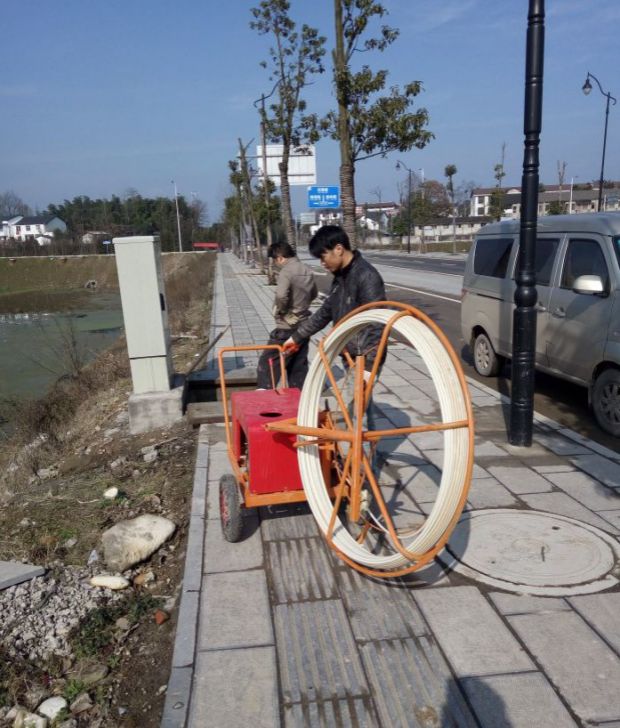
(598, 83)
(263, 98)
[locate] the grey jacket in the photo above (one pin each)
(295, 292)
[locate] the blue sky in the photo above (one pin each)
(99, 97)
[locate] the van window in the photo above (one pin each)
(491, 256)
(545, 251)
(617, 248)
(583, 257)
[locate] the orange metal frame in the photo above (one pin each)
(356, 469)
(346, 480)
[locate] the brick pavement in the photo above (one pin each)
(275, 631)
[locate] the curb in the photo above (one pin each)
(178, 693)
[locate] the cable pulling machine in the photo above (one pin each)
(319, 445)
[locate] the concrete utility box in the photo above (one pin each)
(157, 400)
(138, 261)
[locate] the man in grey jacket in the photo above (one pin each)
(295, 291)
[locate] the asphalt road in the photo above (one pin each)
(434, 285)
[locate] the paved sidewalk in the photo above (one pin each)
(275, 631)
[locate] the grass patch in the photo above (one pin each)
(97, 631)
(73, 688)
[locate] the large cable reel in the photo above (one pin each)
(363, 520)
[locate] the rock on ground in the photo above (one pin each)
(129, 542)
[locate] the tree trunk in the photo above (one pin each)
(347, 166)
(250, 206)
(285, 194)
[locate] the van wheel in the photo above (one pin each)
(486, 361)
(606, 401)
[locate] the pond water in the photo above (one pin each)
(36, 348)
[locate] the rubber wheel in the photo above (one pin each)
(606, 401)
(230, 509)
(486, 362)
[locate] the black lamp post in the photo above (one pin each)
(586, 88)
(400, 164)
(524, 317)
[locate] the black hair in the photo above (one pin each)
(283, 249)
(326, 238)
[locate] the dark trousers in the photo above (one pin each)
(296, 364)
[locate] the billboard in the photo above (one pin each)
(301, 164)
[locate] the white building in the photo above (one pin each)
(6, 226)
(34, 227)
(572, 199)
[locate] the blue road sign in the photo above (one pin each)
(323, 197)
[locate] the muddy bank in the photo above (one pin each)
(60, 301)
(57, 284)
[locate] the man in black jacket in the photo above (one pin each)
(355, 283)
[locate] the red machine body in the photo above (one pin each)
(271, 457)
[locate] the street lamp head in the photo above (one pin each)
(397, 165)
(587, 86)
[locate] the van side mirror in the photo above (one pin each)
(589, 285)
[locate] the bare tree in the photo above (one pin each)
(561, 175)
(12, 205)
(497, 198)
(294, 57)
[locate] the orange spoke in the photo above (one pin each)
(334, 386)
(340, 491)
(370, 435)
(322, 433)
(381, 346)
(358, 414)
(364, 532)
(385, 513)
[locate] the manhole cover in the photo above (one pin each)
(530, 552)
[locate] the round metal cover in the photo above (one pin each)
(530, 552)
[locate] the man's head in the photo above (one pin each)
(281, 253)
(331, 244)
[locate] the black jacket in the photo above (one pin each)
(355, 285)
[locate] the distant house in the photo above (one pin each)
(573, 197)
(7, 225)
(33, 227)
(376, 216)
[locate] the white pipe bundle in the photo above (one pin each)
(456, 442)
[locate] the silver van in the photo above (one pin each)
(578, 309)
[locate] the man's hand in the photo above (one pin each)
(289, 346)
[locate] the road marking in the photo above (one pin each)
(423, 293)
(404, 288)
(423, 270)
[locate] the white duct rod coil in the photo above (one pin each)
(453, 406)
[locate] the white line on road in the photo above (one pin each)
(422, 270)
(320, 272)
(423, 293)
